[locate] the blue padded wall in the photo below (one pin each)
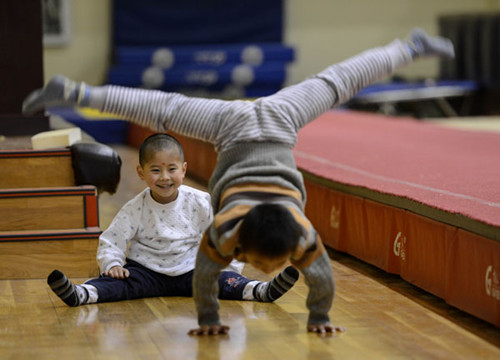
(224, 48)
(194, 22)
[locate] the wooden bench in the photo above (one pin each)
(33, 254)
(36, 168)
(46, 222)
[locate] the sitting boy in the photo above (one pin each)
(150, 247)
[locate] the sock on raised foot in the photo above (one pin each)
(59, 91)
(72, 295)
(279, 285)
(420, 44)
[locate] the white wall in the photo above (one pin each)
(328, 31)
(87, 56)
(322, 31)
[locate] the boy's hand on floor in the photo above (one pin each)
(210, 330)
(117, 272)
(325, 329)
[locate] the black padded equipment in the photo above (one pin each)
(96, 164)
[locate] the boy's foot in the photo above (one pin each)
(421, 44)
(280, 284)
(59, 91)
(72, 295)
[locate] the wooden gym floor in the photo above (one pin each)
(385, 317)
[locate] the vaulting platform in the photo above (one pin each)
(412, 198)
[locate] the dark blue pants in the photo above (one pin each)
(144, 282)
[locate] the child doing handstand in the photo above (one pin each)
(258, 194)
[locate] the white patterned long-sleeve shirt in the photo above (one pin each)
(162, 237)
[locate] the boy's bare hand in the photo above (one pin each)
(210, 330)
(325, 329)
(117, 272)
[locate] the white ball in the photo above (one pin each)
(163, 58)
(232, 92)
(153, 77)
(242, 75)
(252, 55)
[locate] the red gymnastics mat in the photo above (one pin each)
(412, 198)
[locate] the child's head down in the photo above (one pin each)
(268, 236)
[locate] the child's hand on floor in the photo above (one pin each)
(117, 272)
(210, 330)
(324, 329)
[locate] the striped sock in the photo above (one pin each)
(72, 295)
(280, 284)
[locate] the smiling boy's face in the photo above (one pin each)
(163, 172)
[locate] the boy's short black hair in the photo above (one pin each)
(158, 142)
(269, 229)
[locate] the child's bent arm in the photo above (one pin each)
(110, 253)
(113, 241)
